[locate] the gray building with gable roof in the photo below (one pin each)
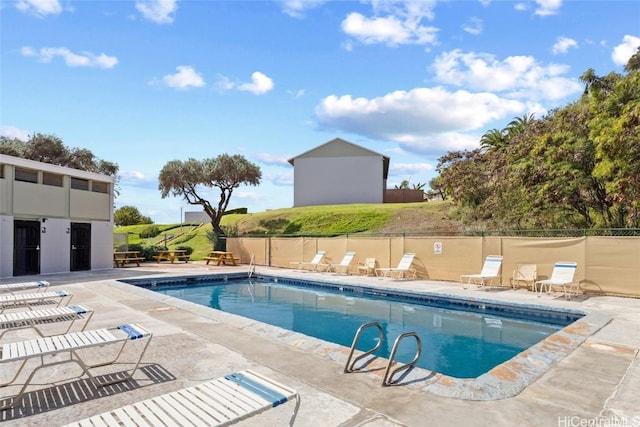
(339, 172)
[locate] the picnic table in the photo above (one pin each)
(120, 258)
(172, 255)
(222, 257)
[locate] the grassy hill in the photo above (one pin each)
(309, 220)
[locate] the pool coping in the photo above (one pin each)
(503, 381)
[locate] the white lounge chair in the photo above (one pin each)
(562, 275)
(402, 271)
(343, 267)
(220, 402)
(37, 349)
(36, 318)
(490, 272)
(34, 299)
(41, 285)
(368, 267)
(312, 265)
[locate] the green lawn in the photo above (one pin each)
(308, 220)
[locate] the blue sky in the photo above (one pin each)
(141, 83)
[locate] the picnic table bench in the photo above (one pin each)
(172, 255)
(120, 258)
(222, 257)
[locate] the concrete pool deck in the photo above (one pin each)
(598, 382)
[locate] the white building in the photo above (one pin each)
(339, 172)
(53, 219)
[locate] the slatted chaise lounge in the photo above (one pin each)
(35, 318)
(33, 299)
(40, 350)
(402, 271)
(345, 264)
(562, 275)
(41, 285)
(313, 265)
(219, 402)
(490, 273)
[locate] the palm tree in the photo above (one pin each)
(493, 140)
(403, 185)
(518, 124)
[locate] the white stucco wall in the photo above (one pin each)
(6, 246)
(102, 254)
(55, 244)
(338, 180)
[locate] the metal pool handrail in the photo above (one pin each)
(388, 377)
(350, 367)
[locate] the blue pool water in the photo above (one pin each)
(459, 338)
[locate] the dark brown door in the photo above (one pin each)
(80, 246)
(26, 247)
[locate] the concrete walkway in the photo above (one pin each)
(597, 383)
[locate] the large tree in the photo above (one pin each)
(130, 215)
(50, 149)
(188, 179)
(577, 167)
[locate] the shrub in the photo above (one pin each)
(185, 238)
(148, 252)
(239, 211)
(188, 249)
(219, 242)
(135, 247)
(150, 231)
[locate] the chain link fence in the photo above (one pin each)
(613, 232)
(121, 240)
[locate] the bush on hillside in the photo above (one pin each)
(147, 252)
(151, 231)
(239, 211)
(188, 249)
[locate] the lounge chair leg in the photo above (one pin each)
(295, 411)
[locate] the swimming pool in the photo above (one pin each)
(461, 338)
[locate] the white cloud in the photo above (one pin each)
(521, 7)
(409, 168)
(138, 179)
(296, 94)
(297, 8)
(622, 52)
(39, 8)
(260, 84)
(473, 26)
(548, 7)
(447, 141)
(516, 76)
(347, 45)
(185, 77)
(14, 132)
(393, 23)
(270, 159)
(86, 59)
(158, 11)
(280, 179)
(563, 44)
(395, 151)
(247, 195)
(224, 83)
(421, 115)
